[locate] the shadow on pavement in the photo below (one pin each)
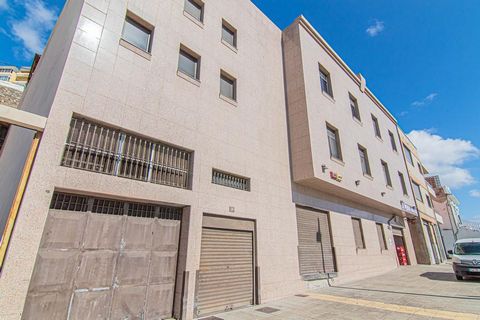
(445, 276)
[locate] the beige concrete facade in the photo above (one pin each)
(338, 186)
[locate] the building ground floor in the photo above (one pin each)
(428, 240)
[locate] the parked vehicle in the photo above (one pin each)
(466, 258)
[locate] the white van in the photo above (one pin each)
(466, 258)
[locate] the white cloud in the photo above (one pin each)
(33, 29)
(375, 28)
(445, 157)
(475, 193)
(3, 4)
(425, 101)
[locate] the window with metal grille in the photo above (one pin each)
(3, 135)
(381, 236)
(354, 107)
(94, 147)
(229, 180)
(376, 127)
(358, 233)
(334, 143)
(70, 202)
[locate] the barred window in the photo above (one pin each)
(70, 202)
(94, 147)
(230, 180)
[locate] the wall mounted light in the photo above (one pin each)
(324, 168)
(357, 182)
(383, 194)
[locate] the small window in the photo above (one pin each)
(392, 141)
(325, 81)
(429, 201)
(408, 154)
(228, 86)
(417, 191)
(354, 107)
(386, 173)
(381, 236)
(402, 182)
(364, 160)
(4, 78)
(419, 167)
(229, 34)
(189, 63)
(376, 127)
(334, 143)
(195, 9)
(358, 233)
(137, 33)
(230, 180)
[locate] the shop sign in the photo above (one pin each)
(408, 208)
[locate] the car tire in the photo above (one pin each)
(459, 277)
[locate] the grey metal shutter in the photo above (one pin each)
(315, 248)
(358, 233)
(381, 236)
(225, 280)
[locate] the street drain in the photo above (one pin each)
(267, 310)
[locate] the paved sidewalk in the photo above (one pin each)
(419, 292)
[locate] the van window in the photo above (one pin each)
(468, 248)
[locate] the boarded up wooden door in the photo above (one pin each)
(315, 248)
(104, 266)
(226, 270)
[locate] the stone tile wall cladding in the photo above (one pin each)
(10, 97)
(101, 265)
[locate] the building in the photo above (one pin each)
(349, 178)
(10, 96)
(128, 165)
(14, 75)
(427, 246)
(447, 206)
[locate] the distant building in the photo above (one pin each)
(15, 75)
(10, 96)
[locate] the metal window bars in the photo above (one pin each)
(79, 203)
(98, 148)
(230, 180)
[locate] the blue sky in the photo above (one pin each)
(420, 58)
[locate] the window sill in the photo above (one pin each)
(229, 46)
(131, 47)
(361, 251)
(360, 123)
(228, 100)
(389, 187)
(340, 162)
(379, 138)
(193, 19)
(186, 77)
(328, 96)
(366, 175)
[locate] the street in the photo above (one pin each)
(419, 292)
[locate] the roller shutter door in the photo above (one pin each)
(315, 248)
(226, 270)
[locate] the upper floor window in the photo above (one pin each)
(325, 81)
(420, 167)
(354, 107)
(402, 182)
(376, 127)
(137, 32)
(386, 173)
(334, 142)
(408, 154)
(4, 78)
(195, 9)
(228, 86)
(3, 135)
(429, 201)
(364, 160)
(392, 141)
(189, 63)
(417, 191)
(229, 34)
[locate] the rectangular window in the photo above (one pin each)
(364, 160)
(376, 127)
(325, 81)
(137, 33)
(195, 9)
(402, 182)
(228, 86)
(381, 236)
(4, 78)
(408, 154)
(334, 143)
(429, 201)
(95, 147)
(419, 167)
(229, 34)
(386, 173)
(392, 141)
(189, 63)
(354, 107)
(417, 192)
(358, 233)
(230, 180)
(3, 135)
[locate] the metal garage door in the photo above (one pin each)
(315, 248)
(105, 259)
(226, 270)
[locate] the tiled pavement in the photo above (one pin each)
(419, 292)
